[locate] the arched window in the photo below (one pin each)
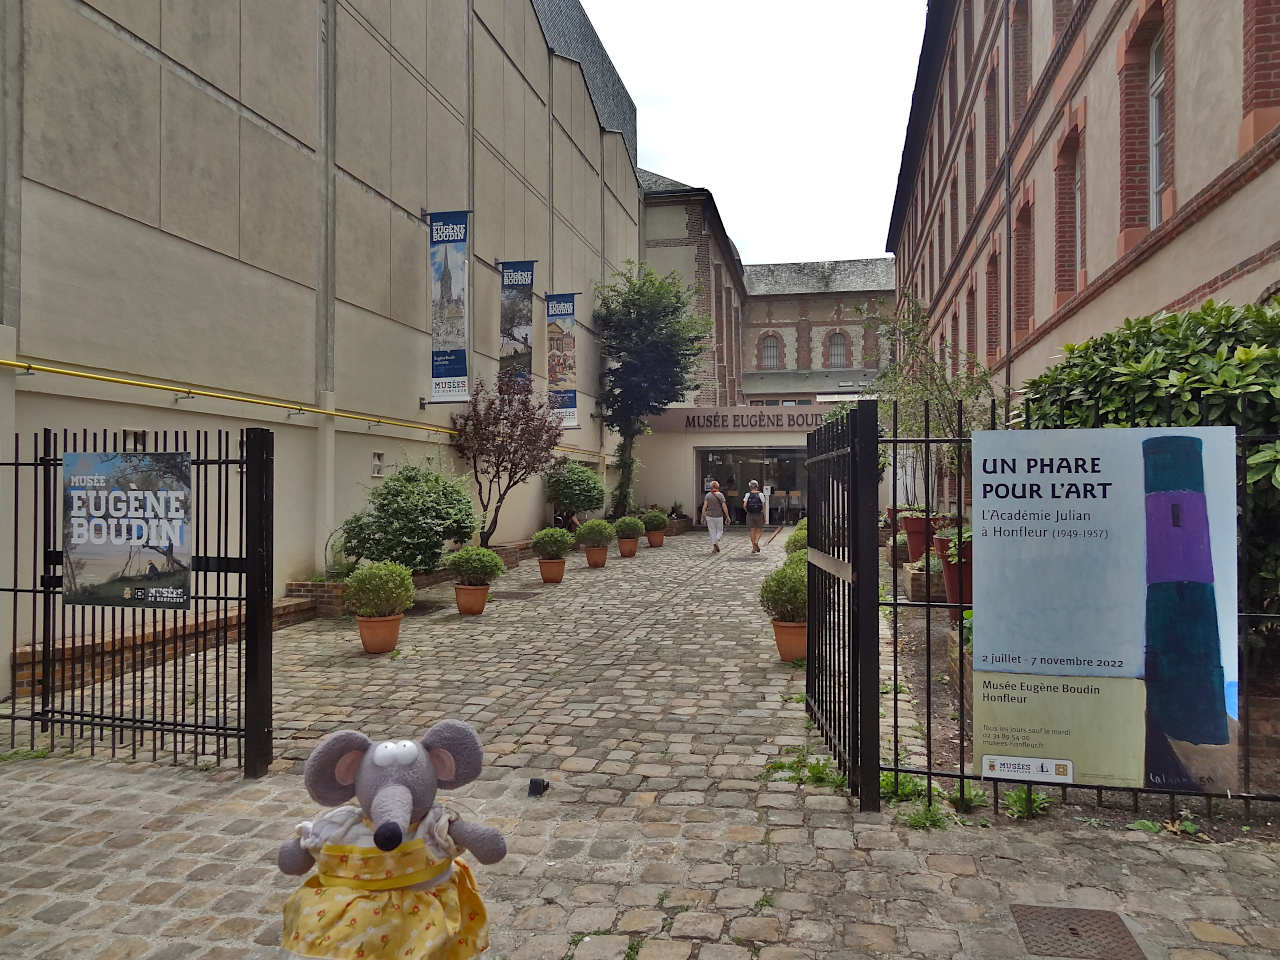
(770, 353)
(836, 351)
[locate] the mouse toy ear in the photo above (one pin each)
(330, 773)
(455, 752)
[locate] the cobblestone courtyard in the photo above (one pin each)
(651, 696)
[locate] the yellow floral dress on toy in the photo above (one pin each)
(415, 902)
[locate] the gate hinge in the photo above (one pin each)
(51, 581)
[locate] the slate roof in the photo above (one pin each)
(652, 182)
(821, 276)
(569, 33)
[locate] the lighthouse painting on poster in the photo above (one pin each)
(1104, 623)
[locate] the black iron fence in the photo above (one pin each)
(189, 683)
(884, 640)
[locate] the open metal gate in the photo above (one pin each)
(193, 683)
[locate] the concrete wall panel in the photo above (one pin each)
(364, 104)
(376, 12)
(513, 115)
(490, 226)
(277, 204)
(409, 281)
(409, 31)
(446, 158)
(279, 63)
(363, 244)
(484, 320)
(254, 331)
(535, 237)
(513, 245)
(535, 141)
(204, 35)
(488, 93)
(447, 49)
(408, 140)
(91, 114)
(137, 16)
(199, 167)
(383, 367)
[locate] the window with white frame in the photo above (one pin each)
(1156, 126)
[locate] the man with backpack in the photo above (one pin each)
(753, 504)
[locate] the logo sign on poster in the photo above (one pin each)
(1104, 626)
(126, 529)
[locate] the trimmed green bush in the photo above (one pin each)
(900, 540)
(379, 590)
(573, 487)
(552, 543)
(654, 520)
(1217, 365)
(412, 514)
(785, 593)
(475, 566)
(799, 538)
(628, 528)
(595, 533)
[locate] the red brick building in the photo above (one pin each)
(1069, 163)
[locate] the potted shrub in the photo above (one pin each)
(594, 537)
(917, 577)
(957, 576)
(379, 594)
(475, 568)
(551, 545)
(655, 527)
(628, 530)
(798, 540)
(784, 595)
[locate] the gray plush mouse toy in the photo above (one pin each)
(387, 881)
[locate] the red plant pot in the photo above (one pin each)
(596, 556)
(552, 570)
(628, 548)
(956, 577)
(470, 600)
(379, 634)
(792, 640)
(655, 537)
(917, 530)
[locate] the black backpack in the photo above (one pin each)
(755, 503)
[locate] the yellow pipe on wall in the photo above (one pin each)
(276, 404)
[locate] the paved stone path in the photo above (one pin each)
(651, 695)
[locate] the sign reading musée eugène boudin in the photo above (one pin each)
(126, 529)
(739, 419)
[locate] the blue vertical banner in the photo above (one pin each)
(450, 310)
(562, 359)
(515, 348)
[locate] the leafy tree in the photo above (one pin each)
(918, 381)
(1218, 365)
(651, 342)
(411, 515)
(508, 436)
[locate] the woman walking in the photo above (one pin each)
(753, 504)
(715, 511)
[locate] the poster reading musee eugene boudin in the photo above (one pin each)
(126, 529)
(450, 328)
(1104, 614)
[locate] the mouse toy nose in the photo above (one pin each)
(387, 836)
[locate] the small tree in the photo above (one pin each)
(920, 381)
(507, 435)
(651, 342)
(411, 515)
(573, 487)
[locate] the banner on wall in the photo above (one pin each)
(562, 358)
(126, 530)
(450, 310)
(515, 349)
(1104, 607)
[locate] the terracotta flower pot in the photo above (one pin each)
(655, 537)
(379, 634)
(958, 581)
(792, 640)
(596, 556)
(470, 600)
(916, 528)
(628, 548)
(552, 570)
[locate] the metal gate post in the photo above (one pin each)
(50, 500)
(259, 453)
(866, 590)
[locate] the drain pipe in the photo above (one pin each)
(1008, 216)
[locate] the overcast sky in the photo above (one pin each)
(791, 114)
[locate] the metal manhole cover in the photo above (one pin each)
(511, 594)
(1072, 932)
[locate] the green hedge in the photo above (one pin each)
(799, 539)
